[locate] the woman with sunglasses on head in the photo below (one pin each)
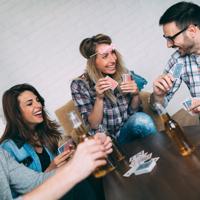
(32, 138)
(104, 98)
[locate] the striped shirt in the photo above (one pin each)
(190, 74)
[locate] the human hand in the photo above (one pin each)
(163, 84)
(59, 160)
(129, 86)
(89, 155)
(101, 86)
(106, 141)
(195, 107)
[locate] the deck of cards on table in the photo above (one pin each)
(141, 163)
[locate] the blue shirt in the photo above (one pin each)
(24, 153)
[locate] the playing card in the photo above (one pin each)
(145, 167)
(195, 104)
(156, 159)
(136, 156)
(130, 172)
(68, 145)
(141, 163)
(177, 70)
(126, 77)
(187, 103)
(113, 82)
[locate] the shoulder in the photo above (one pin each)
(8, 144)
(16, 152)
(81, 82)
(4, 154)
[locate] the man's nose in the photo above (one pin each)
(170, 43)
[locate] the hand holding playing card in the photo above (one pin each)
(59, 160)
(192, 105)
(68, 145)
(129, 87)
(102, 85)
(163, 84)
(195, 107)
(126, 77)
(113, 83)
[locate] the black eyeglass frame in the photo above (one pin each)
(173, 37)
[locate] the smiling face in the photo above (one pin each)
(184, 42)
(31, 108)
(106, 59)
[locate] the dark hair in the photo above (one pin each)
(88, 45)
(183, 14)
(16, 128)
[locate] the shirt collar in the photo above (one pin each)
(19, 142)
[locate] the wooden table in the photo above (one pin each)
(174, 177)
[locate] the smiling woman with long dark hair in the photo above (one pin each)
(32, 138)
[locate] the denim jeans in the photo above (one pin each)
(138, 125)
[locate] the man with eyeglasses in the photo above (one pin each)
(181, 27)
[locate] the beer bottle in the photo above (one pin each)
(82, 134)
(116, 154)
(174, 131)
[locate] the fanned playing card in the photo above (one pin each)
(113, 82)
(187, 103)
(141, 163)
(68, 145)
(177, 70)
(126, 77)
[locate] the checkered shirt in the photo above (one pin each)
(190, 74)
(114, 114)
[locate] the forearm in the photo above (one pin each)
(135, 102)
(50, 189)
(96, 116)
(88, 156)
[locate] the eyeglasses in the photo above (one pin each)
(172, 38)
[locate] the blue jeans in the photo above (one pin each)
(138, 125)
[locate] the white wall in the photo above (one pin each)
(39, 41)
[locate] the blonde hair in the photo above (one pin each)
(88, 48)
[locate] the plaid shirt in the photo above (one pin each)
(190, 74)
(114, 114)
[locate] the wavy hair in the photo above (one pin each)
(16, 128)
(88, 48)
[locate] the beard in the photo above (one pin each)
(187, 48)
